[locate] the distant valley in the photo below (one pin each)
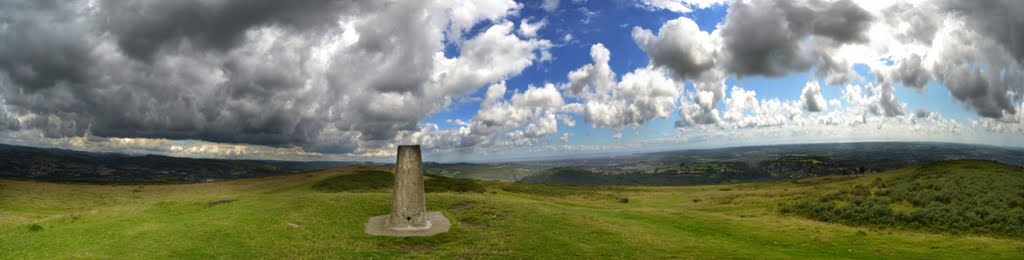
(727, 165)
(683, 167)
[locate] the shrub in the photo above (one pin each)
(953, 197)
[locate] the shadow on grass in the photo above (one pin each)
(379, 181)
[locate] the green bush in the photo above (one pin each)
(954, 197)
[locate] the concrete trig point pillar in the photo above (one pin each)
(409, 216)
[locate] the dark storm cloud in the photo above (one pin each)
(843, 21)
(921, 113)
(36, 54)
(983, 69)
(987, 95)
(323, 75)
(144, 26)
(999, 19)
(761, 39)
(833, 71)
(57, 66)
(764, 37)
(911, 73)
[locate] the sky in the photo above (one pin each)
(504, 80)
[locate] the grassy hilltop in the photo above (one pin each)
(318, 215)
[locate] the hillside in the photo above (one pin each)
(284, 217)
(973, 197)
(30, 163)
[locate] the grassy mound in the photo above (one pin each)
(360, 181)
(374, 181)
(975, 197)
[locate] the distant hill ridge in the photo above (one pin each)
(51, 164)
(731, 164)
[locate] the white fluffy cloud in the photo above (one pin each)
(549, 5)
(909, 43)
(492, 55)
(522, 119)
(878, 100)
(746, 115)
(640, 96)
(745, 110)
(597, 76)
(680, 46)
(680, 6)
(183, 148)
(899, 41)
(527, 29)
(689, 54)
(811, 98)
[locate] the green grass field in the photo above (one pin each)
(284, 217)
